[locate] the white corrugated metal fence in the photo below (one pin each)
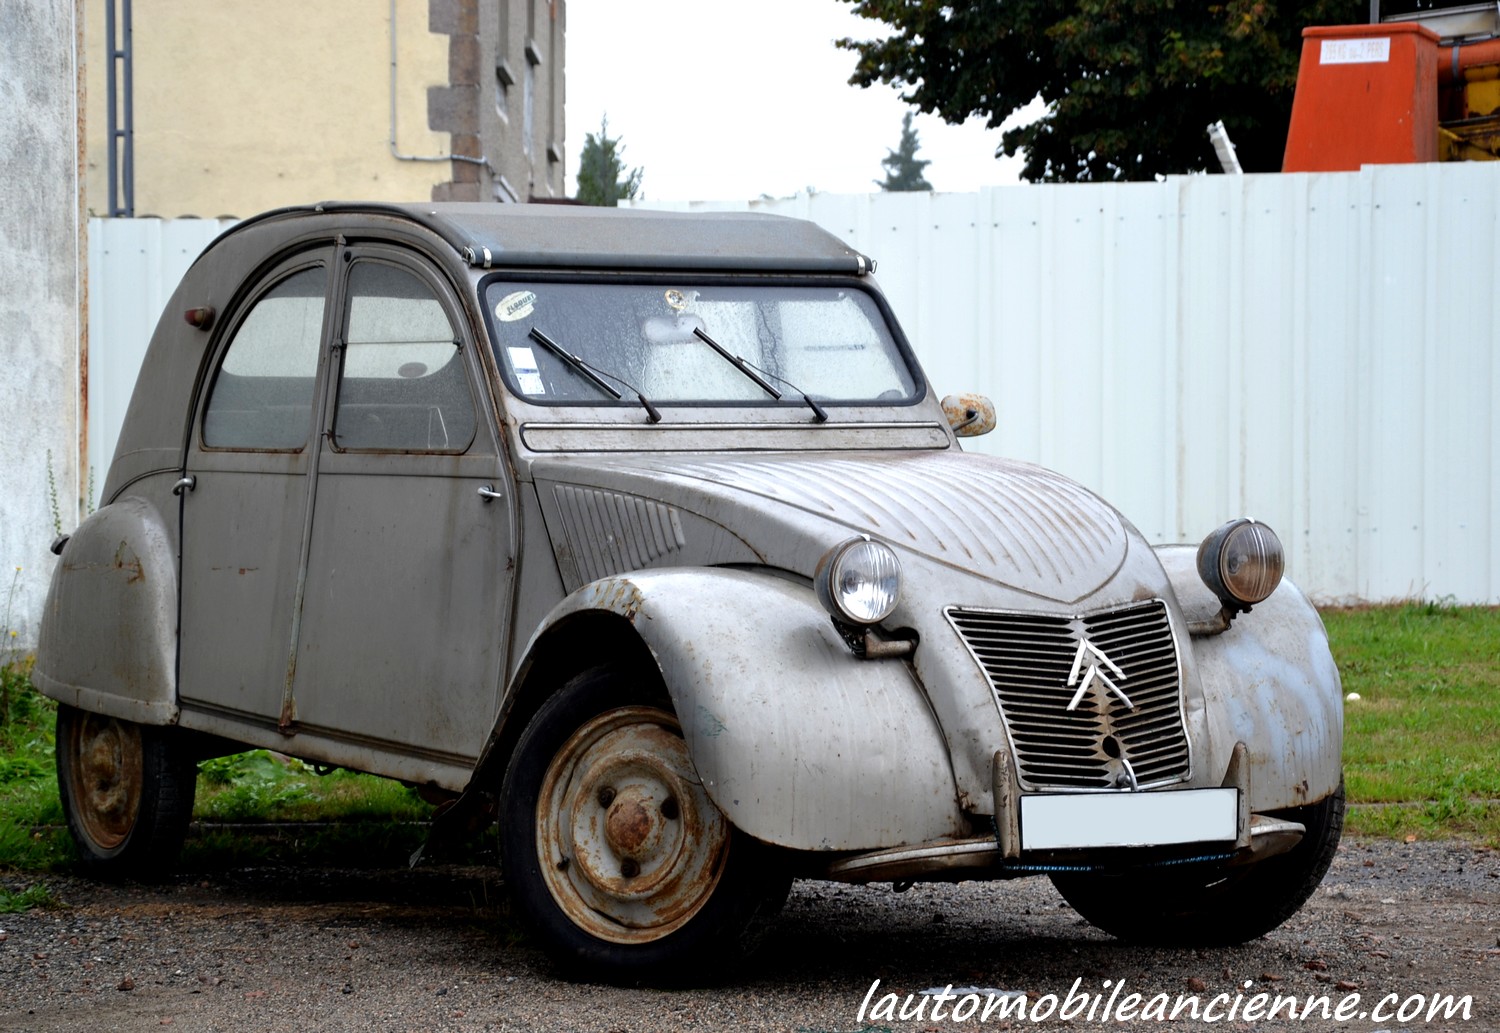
(134, 266)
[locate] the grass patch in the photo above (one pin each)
(29, 811)
(269, 808)
(33, 896)
(264, 786)
(1422, 734)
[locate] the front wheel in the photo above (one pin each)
(1180, 908)
(614, 853)
(126, 790)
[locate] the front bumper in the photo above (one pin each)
(1040, 833)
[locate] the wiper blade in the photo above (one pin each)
(574, 362)
(737, 362)
(755, 373)
(593, 373)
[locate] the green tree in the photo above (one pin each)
(1131, 85)
(903, 169)
(602, 178)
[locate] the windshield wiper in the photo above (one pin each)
(593, 373)
(738, 363)
(750, 370)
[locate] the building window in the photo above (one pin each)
(504, 77)
(528, 100)
(504, 80)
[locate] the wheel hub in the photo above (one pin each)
(108, 793)
(633, 825)
(630, 843)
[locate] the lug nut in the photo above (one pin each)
(606, 796)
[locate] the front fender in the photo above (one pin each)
(799, 742)
(1270, 682)
(108, 641)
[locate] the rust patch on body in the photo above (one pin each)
(618, 596)
(970, 415)
(286, 723)
(128, 561)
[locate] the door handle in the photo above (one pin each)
(187, 483)
(488, 492)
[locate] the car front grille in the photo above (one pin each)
(1028, 659)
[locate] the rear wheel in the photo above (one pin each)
(1226, 906)
(126, 791)
(615, 855)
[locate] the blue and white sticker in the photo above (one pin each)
(528, 376)
(514, 306)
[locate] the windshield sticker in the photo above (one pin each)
(515, 306)
(528, 376)
(676, 300)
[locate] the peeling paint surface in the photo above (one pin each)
(1271, 683)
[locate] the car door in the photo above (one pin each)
(402, 632)
(249, 458)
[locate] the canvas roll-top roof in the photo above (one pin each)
(578, 237)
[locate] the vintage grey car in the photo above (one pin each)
(642, 537)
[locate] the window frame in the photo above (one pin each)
(353, 256)
(319, 259)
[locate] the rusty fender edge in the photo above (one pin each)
(118, 571)
(1269, 681)
(797, 741)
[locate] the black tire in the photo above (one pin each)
(615, 857)
(127, 793)
(1174, 908)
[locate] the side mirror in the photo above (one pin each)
(969, 415)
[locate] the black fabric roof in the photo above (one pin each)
(575, 236)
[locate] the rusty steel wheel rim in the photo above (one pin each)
(631, 847)
(107, 781)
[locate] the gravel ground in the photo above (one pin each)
(273, 948)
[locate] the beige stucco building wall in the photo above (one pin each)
(245, 105)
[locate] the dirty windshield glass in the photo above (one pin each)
(602, 344)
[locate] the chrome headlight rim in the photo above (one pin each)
(876, 570)
(1242, 562)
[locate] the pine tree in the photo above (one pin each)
(903, 169)
(602, 178)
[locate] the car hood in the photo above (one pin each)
(1009, 522)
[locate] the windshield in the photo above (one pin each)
(607, 343)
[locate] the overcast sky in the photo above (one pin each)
(728, 101)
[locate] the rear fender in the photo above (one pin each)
(108, 641)
(799, 742)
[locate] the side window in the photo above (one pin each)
(403, 387)
(263, 395)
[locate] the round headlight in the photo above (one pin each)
(1242, 562)
(859, 581)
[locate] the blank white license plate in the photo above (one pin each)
(1129, 819)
